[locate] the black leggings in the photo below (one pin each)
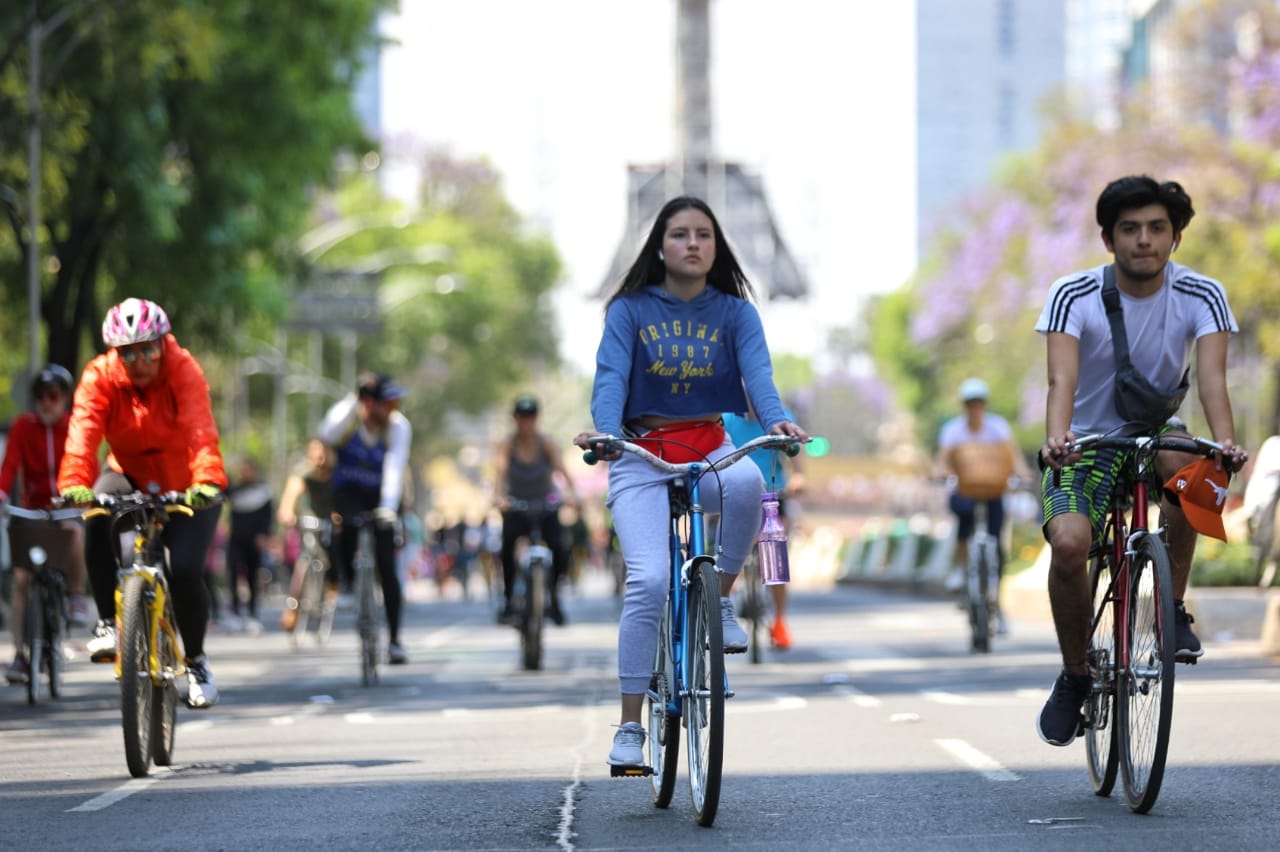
(186, 541)
(244, 558)
(349, 504)
(517, 524)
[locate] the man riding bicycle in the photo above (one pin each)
(370, 439)
(976, 450)
(147, 397)
(1168, 310)
(33, 452)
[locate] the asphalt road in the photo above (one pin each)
(877, 731)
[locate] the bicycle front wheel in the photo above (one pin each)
(136, 690)
(367, 628)
(979, 598)
(535, 602)
(35, 632)
(1145, 703)
(55, 630)
(164, 700)
(664, 726)
(704, 703)
(1100, 723)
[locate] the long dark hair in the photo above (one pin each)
(648, 270)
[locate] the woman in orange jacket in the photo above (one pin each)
(147, 397)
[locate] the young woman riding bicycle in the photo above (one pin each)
(147, 397)
(681, 343)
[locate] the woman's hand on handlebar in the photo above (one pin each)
(786, 427)
(590, 441)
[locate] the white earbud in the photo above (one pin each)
(661, 256)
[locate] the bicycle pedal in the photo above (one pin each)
(630, 771)
(729, 693)
(1188, 659)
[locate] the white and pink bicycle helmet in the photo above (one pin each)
(134, 321)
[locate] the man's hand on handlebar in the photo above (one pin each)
(1232, 457)
(1056, 451)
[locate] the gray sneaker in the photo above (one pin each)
(628, 745)
(735, 638)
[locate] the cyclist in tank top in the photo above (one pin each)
(527, 463)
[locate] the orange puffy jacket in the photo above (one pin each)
(164, 433)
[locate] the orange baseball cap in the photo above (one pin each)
(1202, 490)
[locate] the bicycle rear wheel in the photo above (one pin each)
(1100, 723)
(1145, 702)
(979, 597)
(704, 704)
(753, 607)
(164, 704)
(35, 633)
(535, 602)
(664, 726)
(136, 690)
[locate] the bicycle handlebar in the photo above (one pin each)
(57, 514)
(785, 443)
(1150, 444)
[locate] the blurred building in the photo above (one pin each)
(983, 67)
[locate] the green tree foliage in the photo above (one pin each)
(179, 142)
(972, 305)
(465, 289)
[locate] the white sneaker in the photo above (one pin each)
(735, 638)
(955, 580)
(102, 647)
(628, 745)
(202, 691)
(78, 612)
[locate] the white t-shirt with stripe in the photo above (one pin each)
(1162, 329)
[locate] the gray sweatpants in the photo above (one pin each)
(642, 519)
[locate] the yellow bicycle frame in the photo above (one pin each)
(156, 621)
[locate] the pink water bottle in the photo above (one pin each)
(774, 567)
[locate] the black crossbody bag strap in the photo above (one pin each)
(1111, 298)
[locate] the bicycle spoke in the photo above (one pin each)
(704, 703)
(1147, 686)
(1100, 730)
(664, 725)
(136, 693)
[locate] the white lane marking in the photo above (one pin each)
(455, 712)
(128, 788)
(781, 702)
(946, 697)
(984, 764)
(856, 696)
(197, 725)
(359, 718)
(568, 803)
